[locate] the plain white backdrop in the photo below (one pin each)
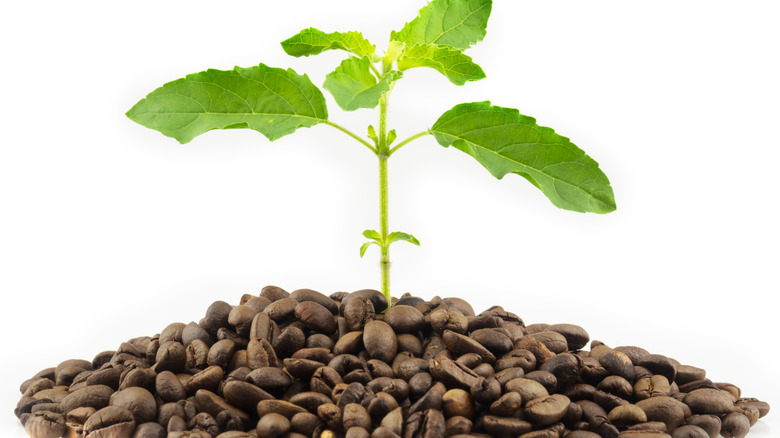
(109, 230)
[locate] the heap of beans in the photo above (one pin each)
(304, 364)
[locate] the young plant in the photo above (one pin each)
(276, 102)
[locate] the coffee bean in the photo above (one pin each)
(281, 310)
(506, 426)
(220, 353)
(452, 373)
(450, 319)
(272, 425)
(664, 409)
(96, 396)
(169, 388)
(350, 343)
(734, 425)
(358, 312)
(111, 421)
(619, 364)
(459, 344)
(528, 389)
(690, 431)
(457, 402)
(316, 316)
(659, 364)
(404, 319)
(495, 341)
(546, 410)
(507, 404)
(273, 293)
(260, 353)
(290, 340)
(709, 401)
(138, 401)
(627, 415)
(379, 340)
(150, 430)
(213, 404)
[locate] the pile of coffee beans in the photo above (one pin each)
(304, 364)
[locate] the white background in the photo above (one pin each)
(109, 230)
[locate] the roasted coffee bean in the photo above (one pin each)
(213, 404)
(205, 422)
(554, 341)
(664, 409)
(485, 391)
(358, 312)
(260, 353)
(709, 423)
(405, 366)
(96, 396)
(381, 405)
(506, 426)
(419, 384)
(309, 400)
(763, 407)
(457, 425)
(709, 401)
(425, 424)
(193, 331)
(627, 415)
(459, 344)
(330, 414)
(240, 317)
(304, 295)
(350, 343)
(319, 340)
(506, 405)
(688, 373)
(449, 319)
(150, 430)
(619, 364)
(290, 340)
(527, 388)
(273, 293)
(355, 416)
(269, 378)
(495, 341)
(138, 401)
(457, 402)
(654, 386)
(316, 317)
(281, 310)
(171, 356)
(324, 380)
(734, 425)
(404, 319)
(378, 300)
(272, 425)
(305, 423)
(432, 399)
(301, 369)
(143, 377)
(354, 393)
(244, 395)
(257, 303)
(379, 341)
(111, 421)
(197, 354)
(544, 411)
(220, 353)
(658, 364)
(690, 431)
(452, 373)
(169, 388)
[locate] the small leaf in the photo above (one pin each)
(397, 235)
(312, 42)
(452, 63)
(391, 136)
(372, 134)
(365, 246)
(273, 101)
(504, 141)
(354, 86)
(373, 235)
(455, 23)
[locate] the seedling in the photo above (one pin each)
(276, 102)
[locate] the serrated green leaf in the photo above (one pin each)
(397, 235)
(270, 100)
(312, 42)
(373, 235)
(354, 86)
(452, 63)
(455, 23)
(365, 246)
(504, 141)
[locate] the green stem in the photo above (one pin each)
(384, 228)
(408, 140)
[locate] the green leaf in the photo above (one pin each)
(273, 101)
(504, 141)
(397, 235)
(455, 23)
(354, 86)
(312, 42)
(452, 63)
(373, 235)
(365, 246)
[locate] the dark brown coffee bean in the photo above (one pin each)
(709, 423)
(111, 421)
(171, 356)
(485, 391)
(204, 422)
(240, 317)
(355, 415)
(350, 343)
(734, 425)
(626, 415)
(457, 425)
(378, 300)
(381, 405)
(208, 379)
(688, 373)
(565, 367)
(169, 388)
(527, 388)
(301, 369)
(763, 407)
(730, 388)
(150, 430)
(260, 353)
(450, 319)
(554, 341)
(46, 425)
(96, 396)
(419, 384)
(459, 344)
(643, 434)
(538, 349)
(582, 434)
(654, 386)
(304, 295)
(690, 431)
(305, 423)
(197, 355)
(457, 402)
(425, 424)
(257, 303)
(405, 366)
(544, 411)
(143, 377)
(432, 399)
(330, 414)
(213, 404)
(506, 405)
(309, 400)
(220, 353)
(281, 310)
(664, 409)
(193, 331)
(379, 341)
(290, 340)
(269, 378)
(658, 364)
(709, 401)
(137, 400)
(618, 364)
(316, 316)
(358, 312)
(272, 425)
(273, 293)
(505, 426)
(452, 373)
(404, 319)
(324, 380)
(495, 341)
